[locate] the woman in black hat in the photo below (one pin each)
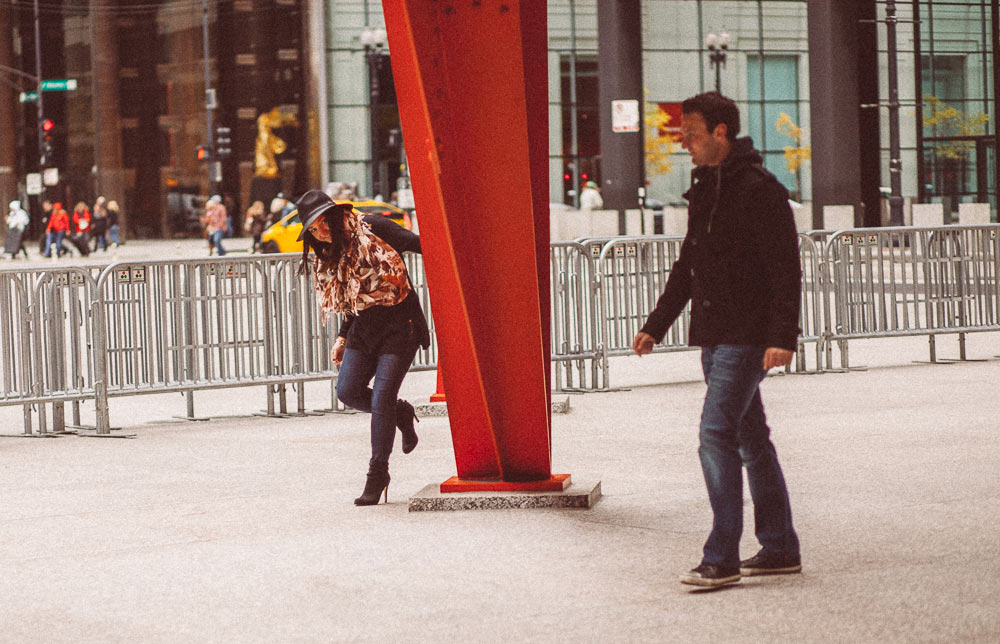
(358, 272)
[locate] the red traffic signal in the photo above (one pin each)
(202, 152)
(47, 125)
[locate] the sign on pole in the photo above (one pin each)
(33, 183)
(28, 97)
(625, 115)
(51, 177)
(59, 85)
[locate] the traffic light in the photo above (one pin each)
(223, 142)
(203, 152)
(47, 150)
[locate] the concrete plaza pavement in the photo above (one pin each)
(242, 528)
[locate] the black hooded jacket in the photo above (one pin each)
(739, 264)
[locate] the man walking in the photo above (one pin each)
(739, 267)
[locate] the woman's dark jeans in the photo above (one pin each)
(388, 369)
(734, 434)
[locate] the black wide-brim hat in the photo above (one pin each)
(312, 205)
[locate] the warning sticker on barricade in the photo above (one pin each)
(595, 250)
(631, 250)
(61, 279)
(860, 241)
(848, 239)
(76, 278)
(123, 275)
(872, 239)
(138, 274)
(619, 251)
(211, 269)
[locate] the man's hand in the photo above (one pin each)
(643, 344)
(337, 353)
(775, 357)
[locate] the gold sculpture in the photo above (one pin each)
(268, 145)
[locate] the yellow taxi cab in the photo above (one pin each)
(282, 237)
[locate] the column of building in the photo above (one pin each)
(8, 105)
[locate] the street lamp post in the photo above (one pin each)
(373, 41)
(717, 44)
(895, 162)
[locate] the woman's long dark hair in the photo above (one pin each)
(328, 253)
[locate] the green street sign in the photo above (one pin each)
(29, 97)
(59, 85)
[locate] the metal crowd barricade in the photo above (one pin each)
(632, 273)
(903, 281)
(63, 344)
(73, 334)
(210, 324)
(45, 342)
(812, 308)
(579, 362)
(15, 343)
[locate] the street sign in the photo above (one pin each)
(28, 97)
(33, 183)
(51, 177)
(59, 85)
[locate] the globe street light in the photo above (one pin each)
(717, 47)
(373, 40)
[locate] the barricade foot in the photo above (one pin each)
(94, 434)
(264, 414)
(194, 418)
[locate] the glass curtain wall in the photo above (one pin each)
(953, 61)
(765, 72)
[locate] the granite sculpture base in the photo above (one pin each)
(432, 408)
(581, 496)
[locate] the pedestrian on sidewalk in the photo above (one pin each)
(590, 197)
(113, 213)
(253, 224)
(216, 224)
(80, 236)
(56, 230)
(99, 225)
(739, 267)
(358, 272)
(43, 240)
(17, 223)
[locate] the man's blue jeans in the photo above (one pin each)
(734, 434)
(388, 369)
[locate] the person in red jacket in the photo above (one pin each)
(81, 228)
(57, 229)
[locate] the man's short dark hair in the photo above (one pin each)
(715, 108)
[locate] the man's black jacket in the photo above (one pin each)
(739, 264)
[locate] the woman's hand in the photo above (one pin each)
(337, 353)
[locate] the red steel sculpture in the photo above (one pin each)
(472, 85)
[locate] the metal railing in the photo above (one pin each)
(891, 282)
(132, 328)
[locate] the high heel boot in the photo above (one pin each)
(405, 415)
(378, 480)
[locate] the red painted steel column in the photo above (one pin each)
(471, 81)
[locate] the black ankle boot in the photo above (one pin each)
(378, 480)
(405, 415)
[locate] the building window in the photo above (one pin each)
(580, 154)
(771, 92)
